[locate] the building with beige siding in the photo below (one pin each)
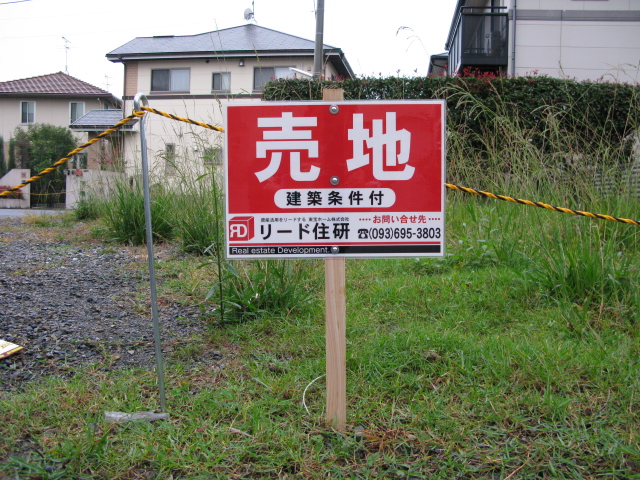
(193, 76)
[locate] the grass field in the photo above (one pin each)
(515, 356)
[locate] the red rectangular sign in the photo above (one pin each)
(318, 179)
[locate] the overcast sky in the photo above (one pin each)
(33, 32)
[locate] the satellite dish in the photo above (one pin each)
(248, 14)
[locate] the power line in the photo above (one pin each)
(15, 1)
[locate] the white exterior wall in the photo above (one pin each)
(584, 50)
(200, 103)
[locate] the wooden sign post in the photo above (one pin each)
(336, 311)
(336, 345)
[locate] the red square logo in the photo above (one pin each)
(241, 229)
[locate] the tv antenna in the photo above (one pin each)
(66, 55)
(249, 13)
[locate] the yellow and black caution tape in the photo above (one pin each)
(117, 126)
(141, 113)
(64, 159)
(182, 119)
(542, 205)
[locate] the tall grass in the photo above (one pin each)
(583, 265)
(124, 217)
(251, 289)
(553, 158)
(198, 214)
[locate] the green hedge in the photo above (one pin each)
(552, 113)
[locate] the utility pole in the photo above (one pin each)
(318, 51)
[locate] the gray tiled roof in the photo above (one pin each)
(55, 84)
(100, 120)
(245, 38)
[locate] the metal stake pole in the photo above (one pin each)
(137, 101)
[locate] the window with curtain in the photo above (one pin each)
(28, 112)
(77, 111)
(170, 80)
(221, 82)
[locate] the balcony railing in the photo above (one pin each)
(480, 39)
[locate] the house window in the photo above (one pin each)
(77, 110)
(221, 82)
(170, 158)
(212, 156)
(28, 112)
(262, 75)
(80, 160)
(170, 80)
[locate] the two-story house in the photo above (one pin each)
(578, 39)
(57, 99)
(193, 76)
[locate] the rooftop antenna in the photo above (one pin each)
(66, 55)
(106, 80)
(249, 13)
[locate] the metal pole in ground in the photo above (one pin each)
(141, 99)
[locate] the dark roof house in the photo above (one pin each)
(236, 42)
(195, 76)
(56, 99)
(55, 84)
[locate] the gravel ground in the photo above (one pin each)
(75, 304)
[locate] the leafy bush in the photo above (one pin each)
(39, 147)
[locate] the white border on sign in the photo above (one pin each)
(342, 250)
